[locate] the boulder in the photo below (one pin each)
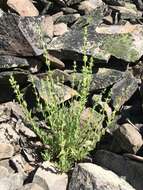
(93, 177)
(122, 166)
(49, 179)
(20, 36)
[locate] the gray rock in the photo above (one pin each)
(12, 182)
(128, 138)
(101, 79)
(129, 169)
(7, 62)
(129, 11)
(93, 177)
(72, 2)
(61, 92)
(89, 5)
(125, 46)
(67, 19)
(49, 179)
(6, 151)
(31, 186)
(3, 172)
(19, 35)
(123, 90)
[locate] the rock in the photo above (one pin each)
(55, 62)
(128, 138)
(69, 10)
(99, 45)
(115, 2)
(31, 186)
(23, 7)
(47, 27)
(21, 128)
(6, 151)
(60, 29)
(95, 16)
(6, 164)
(89, 5)
(3, 172)
(57, 15)
(7, 62)
(123, 90)
(61, 92)
(48, 177)
(139, 4)
(72, 2)
(67, 19)
(101, 79)
(20, 76)
(88, 116)
(18, 163)
(128, 11)
(12, 182)
(90, 176)
(128, 169)
(20, 36)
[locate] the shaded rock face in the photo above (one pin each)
(19, 36)
(100, 46)
(108, 33)
(90, 176)
(129, 169)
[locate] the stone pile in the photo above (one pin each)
(114, 39)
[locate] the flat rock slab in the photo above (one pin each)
(128, 138)
(23, 7)
(19, 36)
(7, 62)
(93, 177)
(129, 169)
(60, 92)
(6, 151)
(12, 182)
(49, 179)
(123, 90)
(101, 79)
(126, 45)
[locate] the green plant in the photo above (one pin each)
(68, 141)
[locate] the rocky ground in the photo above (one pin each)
(115, 41)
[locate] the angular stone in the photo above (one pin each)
(61, 92)
(55, 62)
(3, 172)
(128, 11)
(20, 36)
(31, 186)
(20, 76)
(47, 27)
(7, 62)
(128, 138)
(49, 178)
(89, 5)
(67, 19)
(23, 7)
(115, 2)
(126, 46)
(6, 151)
(128, 169)
(12, 182)
(123, 90)
(95, 16)
(90, 176)
(60, 29)
(102, 79)
(72, 2)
